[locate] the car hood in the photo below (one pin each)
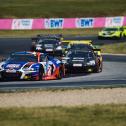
(48, 45)
(78, 59)
(16, 65)
(108, 32)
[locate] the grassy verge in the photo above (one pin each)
(30, 33)
(61, 8)
(97, 115)
(114, 48)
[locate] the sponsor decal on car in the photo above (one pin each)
(77, 65)
(13, 66)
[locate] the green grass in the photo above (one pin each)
(29, 33)
(114, 48)
(98, 115)
(61, 8)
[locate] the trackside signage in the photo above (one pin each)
(54, 23)
(22, 23)
(114, 21)
(61, 23)
(84, 22)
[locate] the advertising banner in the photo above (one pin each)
(61, 23)
(5, 24)
(124, 22)
(69, 23)
(22, 24)
(54, 23)
(84, 22)
(99, 22)
(38, 24)
(114, 21)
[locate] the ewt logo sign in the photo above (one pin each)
(84, 22)
(54, 23)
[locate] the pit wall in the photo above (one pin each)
(61, 23)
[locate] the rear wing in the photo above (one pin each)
(78, 41)
(50, 36)
(97, 50)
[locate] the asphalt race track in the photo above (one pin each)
(114, 68)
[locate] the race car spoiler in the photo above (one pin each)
(78, 41)
(56, 36)
(96, 49)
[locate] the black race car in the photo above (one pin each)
(47, 44)
(85, 61)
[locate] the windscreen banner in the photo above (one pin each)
(61, 23)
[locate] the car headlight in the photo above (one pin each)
(1, 67)
(91, 62)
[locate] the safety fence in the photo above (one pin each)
(61, 23)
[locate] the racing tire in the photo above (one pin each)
(60, 75)
(33, 48)
(124, 35)
(98, 68)
(41, 71)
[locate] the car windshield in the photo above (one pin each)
(80, 54)
(81, 47)
(110, 29)
(65, 44)
(48, 41)
(22, 58)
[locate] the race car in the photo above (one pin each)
(124, 31)
(50, 44)
(111, 32)
(31, 66)
(85, 61)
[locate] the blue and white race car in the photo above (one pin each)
(31, 66)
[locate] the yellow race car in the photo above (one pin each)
(124, 31)
(111, 32)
